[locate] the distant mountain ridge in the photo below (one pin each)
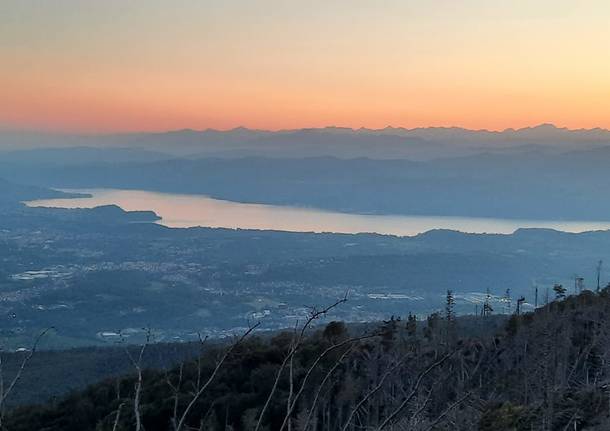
(542, 172)
(386, 143)
(11, 193)
(533, 186)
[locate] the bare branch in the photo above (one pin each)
(313, 315)
(370, 394)
(447, 410)
(201, 390)
(313, 367)
(321, 386)
(4, 394)
(137, 364)
(423, 405)
(115, 426)
(176, 393)
(414, 390)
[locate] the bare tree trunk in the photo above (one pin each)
(312, 409)
(117, 417)
(311, 370)
(313, 315)
(138, 393)
(288, 418)
(414, 390)
(176, 394)
(370, 394)
(447, 411)
(137, 364)
(202, 390)
(5, 392)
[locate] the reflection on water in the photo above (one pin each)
(196, 210)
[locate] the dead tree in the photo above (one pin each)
(372, 392)
(520, 302)
(295, 345)
(201, 390)
(327, 376)
(137, 364)
(313, 367)
(5, 391)
(599, 274)
(388, 420)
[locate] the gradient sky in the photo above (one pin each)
(121, 65)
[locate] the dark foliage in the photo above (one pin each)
(547, 370)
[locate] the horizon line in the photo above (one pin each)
(55, 132)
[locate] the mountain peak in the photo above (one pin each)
(543, 127)
(546, 126)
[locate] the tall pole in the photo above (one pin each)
(575, 283)
(599, 274)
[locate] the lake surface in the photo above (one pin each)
(178, 210)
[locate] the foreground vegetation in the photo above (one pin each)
(545, 370)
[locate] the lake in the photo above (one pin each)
(177, 210)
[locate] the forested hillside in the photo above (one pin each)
(11, 194)
(544, 370)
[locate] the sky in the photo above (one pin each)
(151, 65)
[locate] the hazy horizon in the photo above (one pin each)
(397, 127)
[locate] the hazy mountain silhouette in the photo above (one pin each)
(11, 193)
(81, 155)
(387, 143)
(542, 172)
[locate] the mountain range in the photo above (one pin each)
(387, 143)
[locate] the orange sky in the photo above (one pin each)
(118, 65)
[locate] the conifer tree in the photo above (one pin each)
(411, 326)
(560, 291)
(449, 307)
(487, 308)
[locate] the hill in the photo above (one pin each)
(51, 374)
(529, 185)
(544, 370)
(12, 194)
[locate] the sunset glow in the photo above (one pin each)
(158, 65)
